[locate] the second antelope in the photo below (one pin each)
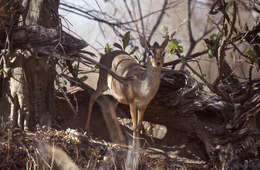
(139, 90)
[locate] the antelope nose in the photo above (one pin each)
(158, 64)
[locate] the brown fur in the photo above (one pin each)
(138, 91)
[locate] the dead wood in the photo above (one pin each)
(181, 95)
(46, 41)
(228, 130)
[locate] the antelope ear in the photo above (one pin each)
(155, 45)
(165, 43)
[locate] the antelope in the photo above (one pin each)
(139, 90)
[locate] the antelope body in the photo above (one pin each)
(139, 90)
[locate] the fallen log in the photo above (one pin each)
(226, 129)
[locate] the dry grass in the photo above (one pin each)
(52, 149)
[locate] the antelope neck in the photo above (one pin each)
(151, 78)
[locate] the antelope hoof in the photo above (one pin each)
(26, 128)
(141, 130)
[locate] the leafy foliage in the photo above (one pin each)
(164, 29)
(107, 48)
(213, 43)
(126, 39)
(126, 42)
(175, 46)
(118, 46)
(83, 78)
(252, 54)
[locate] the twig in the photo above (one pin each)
(158, 21)
(67, 99)
(189, 23)
(224, 41)
(88, 14)
(141, 16)
(215, 90)
(193, 42)
(131, 15)
(119, 78)
(175, 62)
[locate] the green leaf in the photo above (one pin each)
(96, 66)
(164, 29)
(183, 59)
(118, 46)
(252, 54)
(75, 66)
(213, 36)
(83, 78)
(180, 49)
(172, 45)
(107, 48)
(126, 39)
(210, 54)
(134, 50)
(219, 35)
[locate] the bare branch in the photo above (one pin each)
(158, 21)
(193, 56)
(120, 79)
(189, 23)
(141, 16)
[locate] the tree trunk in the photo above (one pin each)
(40, 73)
(29, 57)
(34, 73)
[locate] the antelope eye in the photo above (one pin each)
(163, 53)
(151, 53)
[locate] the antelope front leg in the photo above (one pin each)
(133, 116)
(140, 119)
(100, 89)
(90, 107)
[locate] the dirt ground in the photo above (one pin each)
(177, 143)
(94, 150)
